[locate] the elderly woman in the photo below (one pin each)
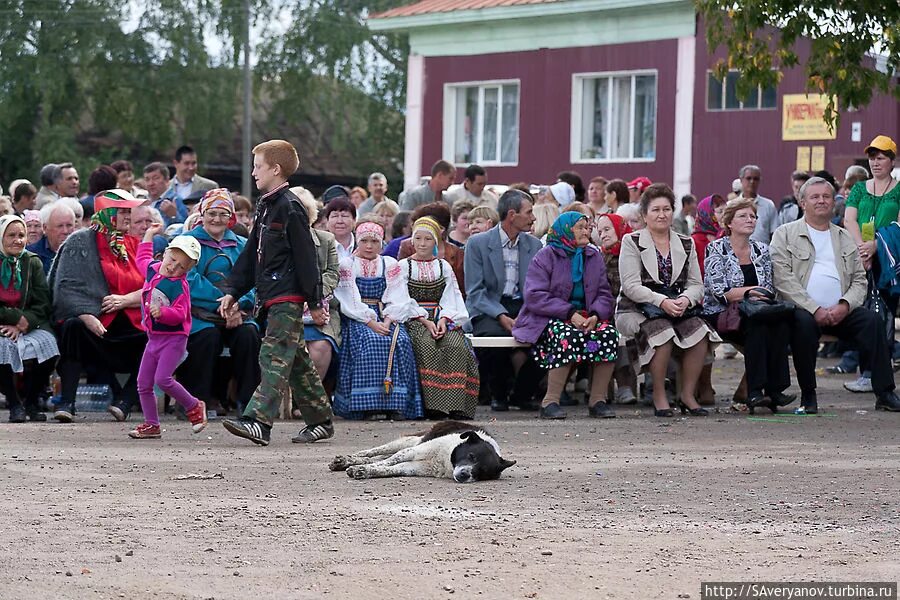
(447, 369)
(34, 228)
(210, 333)
(384, 212)
(378, 371)
(28, 348)
(659, 304)
(707, 225)
(567, 312)
(737, 265)
(323, 337)
(96, 287)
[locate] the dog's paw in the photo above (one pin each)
(358, 472)
(339, 463)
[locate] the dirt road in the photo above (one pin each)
(637, 507)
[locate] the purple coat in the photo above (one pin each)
(548, 287)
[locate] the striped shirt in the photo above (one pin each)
(511, 262)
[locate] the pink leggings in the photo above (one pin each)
(162, 356)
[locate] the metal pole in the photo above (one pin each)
(246, 188)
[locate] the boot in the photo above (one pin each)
(33, 410)
(706, 395)
(16, 410)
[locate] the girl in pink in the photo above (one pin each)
(166, 316)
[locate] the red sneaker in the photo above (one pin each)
(146, 431)
(197, 416)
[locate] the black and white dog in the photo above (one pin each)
(449, 449)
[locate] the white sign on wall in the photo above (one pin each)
(856, 132)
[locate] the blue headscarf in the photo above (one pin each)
(561, 236)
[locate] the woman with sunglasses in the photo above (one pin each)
(210, 333)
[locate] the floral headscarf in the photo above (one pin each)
(561, 236)
(219, 198)
(9, 268)
(622, 228)
(102, 223)
(705, 222)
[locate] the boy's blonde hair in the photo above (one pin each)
(484, 212)
(281, 153)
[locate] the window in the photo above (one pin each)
(614, 117)
(481, 123)
(722, 95)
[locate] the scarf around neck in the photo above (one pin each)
(10, 270)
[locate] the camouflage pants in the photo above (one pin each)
(283, 359)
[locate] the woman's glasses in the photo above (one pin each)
(217, 215)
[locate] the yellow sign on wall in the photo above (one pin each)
(803, 118)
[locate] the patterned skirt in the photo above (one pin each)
(39, 345)
(363, 382)
(563, 344)
(684, 334)
(447, 370)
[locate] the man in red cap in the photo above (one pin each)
(636, 187)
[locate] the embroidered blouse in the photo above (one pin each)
(397, 303)
(453, 307)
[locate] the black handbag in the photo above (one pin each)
(766, 309)
(652, 311)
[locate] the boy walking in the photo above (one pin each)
(280, 261)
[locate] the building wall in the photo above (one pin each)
(724, 141)
(545, 100)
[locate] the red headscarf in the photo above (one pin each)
(622, 228)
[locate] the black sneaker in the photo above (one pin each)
(251, 429)
(65, 413)
(314, 433)
(602, 410)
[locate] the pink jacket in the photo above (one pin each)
(174, 317)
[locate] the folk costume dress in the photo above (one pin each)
(447, 368)
(377, 372)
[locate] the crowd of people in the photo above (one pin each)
(363, 307)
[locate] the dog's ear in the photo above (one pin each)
(505, 464)
(470, 436)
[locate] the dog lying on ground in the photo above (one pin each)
(449, 449)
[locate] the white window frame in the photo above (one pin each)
(742, 108)
(578, 80)
(449, 141)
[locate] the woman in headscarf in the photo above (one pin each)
(34, 228)
(28, 348)
(567, 314)
(210, 333)
(707, 225)
(447, 369)
(378, 371)
(608, 233)
(96, 287)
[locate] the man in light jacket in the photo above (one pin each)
(817, 267)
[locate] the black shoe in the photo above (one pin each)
(119, 411)
(65, 413)
(251, 429)
(601, 410)
(663, 412)
(552, 411)
(16, 413)
(758, 400)
(781, 399)
(529, 405)
(694, 412)
(499, 405)
(36, 415)
(808, 403)
(888, 401)
(314, 433)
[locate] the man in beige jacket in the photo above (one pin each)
(817, 267)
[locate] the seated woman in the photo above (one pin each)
(210, 333)
(736, 264)
(448, 372)
(28, 348)
(608, 234)
(446, 251)
(323, 337)
(707, 225)
(96, 288)
(660, 300)
(378, 371)
(567, 312)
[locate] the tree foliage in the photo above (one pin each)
(761, 37)
(95, 80)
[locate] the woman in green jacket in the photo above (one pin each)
(27, 346)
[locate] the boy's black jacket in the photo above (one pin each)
(284, 265)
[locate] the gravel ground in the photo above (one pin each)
(636, 507)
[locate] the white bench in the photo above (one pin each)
(495, 342)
